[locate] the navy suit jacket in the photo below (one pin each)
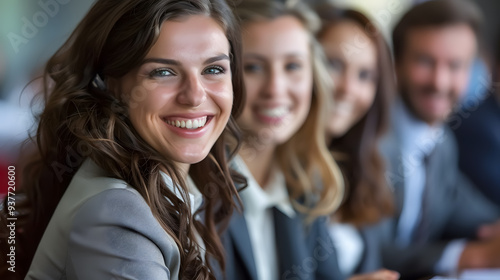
(478, 138)
(304, 252)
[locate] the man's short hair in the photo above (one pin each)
(435, 13)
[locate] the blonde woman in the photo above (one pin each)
(292, 180)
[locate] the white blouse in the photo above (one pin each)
(349, 245)
(258, 203)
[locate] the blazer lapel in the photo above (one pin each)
(239, 234)
(290, 241)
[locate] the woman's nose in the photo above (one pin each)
(192, 92)
(275, 84)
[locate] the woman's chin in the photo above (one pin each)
(337, 131)
(192, 158)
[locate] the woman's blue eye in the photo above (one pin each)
(214, 70)
(162, 72)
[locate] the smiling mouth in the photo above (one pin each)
(342, 108)
(276, 112)
(191, 124)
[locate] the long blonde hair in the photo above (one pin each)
(304, 165)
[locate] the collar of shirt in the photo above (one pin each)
(416, 136)
(195, 196)
(257, 199)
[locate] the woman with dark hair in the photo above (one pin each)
(361, 69)
(139, 104)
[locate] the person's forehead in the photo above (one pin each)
(191, 37)
(451, 39)
(279, 37)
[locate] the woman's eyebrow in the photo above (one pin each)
(175, 62)
(160, 60)
(217, 58)
(254, 56)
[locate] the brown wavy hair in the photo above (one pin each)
(304, 158)
(81, 121)
(368, 198)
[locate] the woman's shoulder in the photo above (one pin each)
(90, 181)
(100, 221)
(96, 196)
(112, 233)
(103, 200)
(116, 221)
(115, 231)
(123, 209)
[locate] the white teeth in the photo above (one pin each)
(275, 112)
(188, 124)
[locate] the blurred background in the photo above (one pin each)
(32, 30)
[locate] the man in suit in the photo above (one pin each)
(443, 224)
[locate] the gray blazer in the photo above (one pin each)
(454, 209)
(103, 229)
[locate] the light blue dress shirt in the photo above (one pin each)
(417, 140)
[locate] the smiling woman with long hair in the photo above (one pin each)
(139, 103)
(361, 68)
(293, 182)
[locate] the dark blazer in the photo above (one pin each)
(478, 138)
(304, 252)
(454, 208)
(371, 258)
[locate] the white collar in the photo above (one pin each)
(257, 199)
(195, 196)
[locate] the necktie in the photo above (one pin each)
(422, 230)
